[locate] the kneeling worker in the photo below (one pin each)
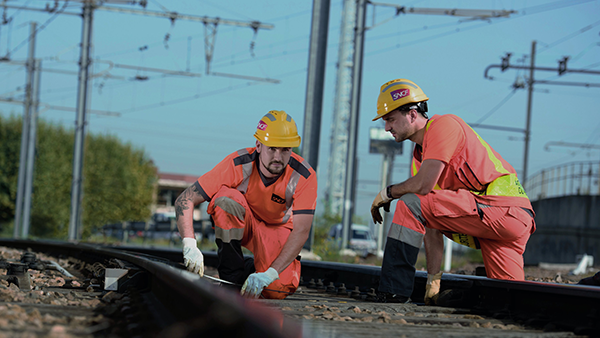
(460, 187)
(262, 198)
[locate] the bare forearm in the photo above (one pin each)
(291, 248)
(423, 182)
(185, 218)
(184, 211)
(411, 185)
(434, 249)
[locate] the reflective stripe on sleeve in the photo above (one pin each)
(247, 170)
(289, 195)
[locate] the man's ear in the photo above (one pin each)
(258, 145)
(413, 115)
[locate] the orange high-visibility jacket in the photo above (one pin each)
(471, 163)
(294, 192)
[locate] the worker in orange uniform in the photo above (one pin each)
(460, 187)
(262, 198)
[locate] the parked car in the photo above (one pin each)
(360, 238)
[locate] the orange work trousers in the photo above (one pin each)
(234, 221)
(502, 232)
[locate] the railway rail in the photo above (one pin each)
(98, 291)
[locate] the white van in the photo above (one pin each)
(361, 239)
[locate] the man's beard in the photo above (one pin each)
(273, 170)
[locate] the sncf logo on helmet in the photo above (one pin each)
(399, 93)
(261, 125)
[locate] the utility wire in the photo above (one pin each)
(224, 29)
(583, 52)
(552, 6)
(17, 11)
(39, 29)
(570, 36)
(495, 108)
(164, 9)
(527, 11)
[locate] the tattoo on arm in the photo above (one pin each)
(186, 196)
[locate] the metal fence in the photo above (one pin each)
(576, 178)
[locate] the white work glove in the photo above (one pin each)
(192, 257)
(432, 288)
(381, 200)
(256, 282)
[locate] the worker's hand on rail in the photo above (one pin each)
(192, 257)
(432, 288)
(381, 200)
(256, 282)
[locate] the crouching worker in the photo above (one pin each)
(262, 198)
(460, 187)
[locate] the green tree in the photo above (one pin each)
(119, 179)
(10, 143)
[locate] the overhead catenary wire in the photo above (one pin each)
(530, 11)
(524, 12)
(39, 29)
(493, 110)
(568, 37)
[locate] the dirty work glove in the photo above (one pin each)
(432, 289)
(192, 257)
(382, 199)
(256, 282)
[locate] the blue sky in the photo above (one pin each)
(186, 125)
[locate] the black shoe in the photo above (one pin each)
(386, 297)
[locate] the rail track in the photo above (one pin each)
(100, 291)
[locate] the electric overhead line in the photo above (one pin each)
(568, 37)
(495, 109)
(88, 8)
(39, 29)
(570, 145)
(515, 15)
(561, 70)
(343, 136)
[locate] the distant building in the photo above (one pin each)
(170, 186)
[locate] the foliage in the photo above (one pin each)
(119, 180)
(10, 142)
(323, 246)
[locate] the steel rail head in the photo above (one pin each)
(203, 308)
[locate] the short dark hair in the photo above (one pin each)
(420, 107)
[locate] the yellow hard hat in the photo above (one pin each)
(397, 93)
(277, 129)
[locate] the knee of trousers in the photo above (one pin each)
(228, 208)
(229, 201)
(409, 214)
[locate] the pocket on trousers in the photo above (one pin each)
(521, 215)
(508, 223)
(448, 203)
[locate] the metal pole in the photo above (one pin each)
(448, 254)
(314, 89)
(528, 123)
(386, 179)
(31, 149)
(25, 132)
(348, 206)
(82, 102)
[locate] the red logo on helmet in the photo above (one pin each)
(261, 125)
(400, 93)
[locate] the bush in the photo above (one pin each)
(119, 179)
